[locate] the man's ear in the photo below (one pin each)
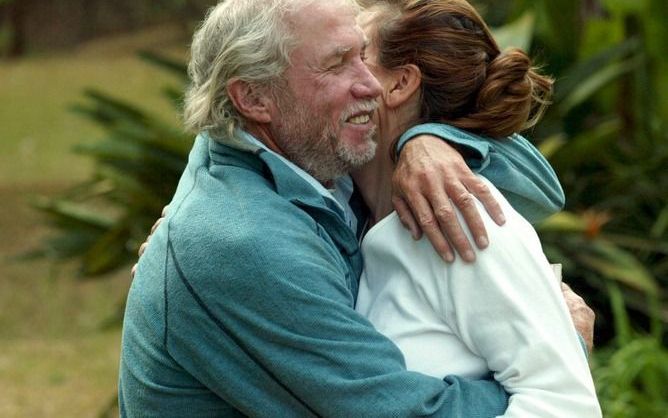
(406, 81)
(251, 101)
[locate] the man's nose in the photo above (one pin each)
(367, 86)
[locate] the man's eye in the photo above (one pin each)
(335, 66)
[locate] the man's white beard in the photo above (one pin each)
(311, 143)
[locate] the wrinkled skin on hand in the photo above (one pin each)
(581, 314)
(431, 177)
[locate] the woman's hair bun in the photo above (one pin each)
(511, 99)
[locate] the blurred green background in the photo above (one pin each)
(92, 147)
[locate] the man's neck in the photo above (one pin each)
(263, 134)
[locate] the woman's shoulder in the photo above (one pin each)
(390, 236)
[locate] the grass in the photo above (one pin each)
(58, 377)
(37, 129)
(56, 358)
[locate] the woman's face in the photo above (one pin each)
(397, 103)
(366, 20)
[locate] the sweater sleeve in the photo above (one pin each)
(513, 165)
(508, 309)
(280, 337)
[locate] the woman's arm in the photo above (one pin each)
(508, 309)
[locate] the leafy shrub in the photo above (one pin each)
(137, 166)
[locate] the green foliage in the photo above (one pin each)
(606, 134)
(138, 163)
(631, 374)
(630, 380)
(517, 34)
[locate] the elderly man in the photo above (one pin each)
(243, 304)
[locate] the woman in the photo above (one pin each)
(437, 62)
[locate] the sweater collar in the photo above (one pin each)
(290, 186)
(288, 182)
(286, 185)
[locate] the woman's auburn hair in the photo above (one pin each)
(467, 81)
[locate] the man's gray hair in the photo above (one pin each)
(248, 40)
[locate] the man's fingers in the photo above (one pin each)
(484, 195)
(406, 217)
(435, 236)
(465, 202)
(427, 221)
(446, 217)
(451, 228)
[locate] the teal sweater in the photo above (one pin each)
(243, 304)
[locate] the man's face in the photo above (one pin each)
(323, 122)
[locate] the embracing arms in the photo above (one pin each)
(271, 329)
(432, 176)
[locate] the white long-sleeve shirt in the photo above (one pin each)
(503, 314)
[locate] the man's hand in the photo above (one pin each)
(582, 315)
(429, 177)
(144, 244)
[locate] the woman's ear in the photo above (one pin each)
(251, 101)
(406, 81)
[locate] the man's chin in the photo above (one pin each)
(358, 154)
(358, 133)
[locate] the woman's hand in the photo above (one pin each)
(582, 315)
(144, 244)
(429, 178)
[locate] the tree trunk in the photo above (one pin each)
(16, 19)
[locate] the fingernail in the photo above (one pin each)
(483, 242)
(449, 257)
(502, 219)
(469, 256)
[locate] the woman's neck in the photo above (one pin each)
(374, 179)
(374, 182)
